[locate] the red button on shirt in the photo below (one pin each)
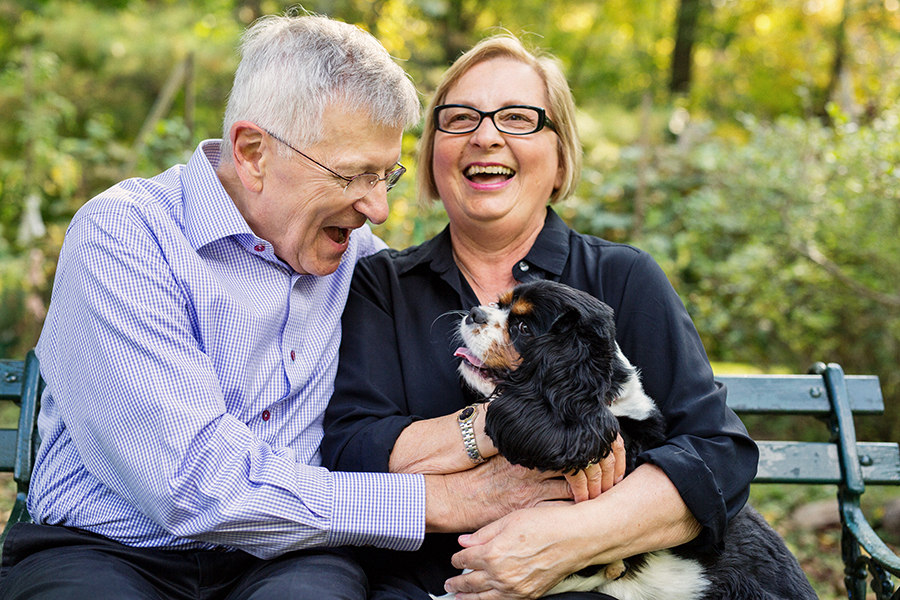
(259, 247)
(293, 356)
(266, 415)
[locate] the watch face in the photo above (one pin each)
(466, 413)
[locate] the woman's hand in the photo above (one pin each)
(600, 477)
(522, 555)
(526, 553)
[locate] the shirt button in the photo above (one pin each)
(293, 356)
(523, 266)
(259, 247)
(266, 414)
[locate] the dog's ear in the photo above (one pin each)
(567, 321)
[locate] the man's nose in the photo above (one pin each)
(374, 205)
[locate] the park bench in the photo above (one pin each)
(834, 398)
(826, 393)
(21, 383)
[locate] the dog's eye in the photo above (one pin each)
(522, 328)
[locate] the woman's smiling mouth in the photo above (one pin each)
(488, 173)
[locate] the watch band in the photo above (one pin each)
(466, 419)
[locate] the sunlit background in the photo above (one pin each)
(752, 146)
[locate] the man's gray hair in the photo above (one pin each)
(295, 67)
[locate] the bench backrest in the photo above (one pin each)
(835, 398)
(21, 383)
(780, 461)
(811, 462)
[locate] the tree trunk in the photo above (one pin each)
(837, 67)
(685, 34)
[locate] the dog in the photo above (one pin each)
(560, 392)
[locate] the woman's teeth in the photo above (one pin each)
(489, 170)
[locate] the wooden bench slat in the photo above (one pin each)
(798, 394)
(818, 462)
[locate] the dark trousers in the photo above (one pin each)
(43, 562)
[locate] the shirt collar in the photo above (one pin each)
(550, 250)
(209, 212)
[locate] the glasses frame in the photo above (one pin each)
(543, 119)
(390, 178)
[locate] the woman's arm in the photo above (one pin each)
(526, 553)
(435, 446)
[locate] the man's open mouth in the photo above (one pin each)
(488, 173)
(337, 234)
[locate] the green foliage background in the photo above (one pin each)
(769, 193)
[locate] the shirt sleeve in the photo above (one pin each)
(143, 407)
(368, 410)
(708, 454)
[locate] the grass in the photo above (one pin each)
(819, 551)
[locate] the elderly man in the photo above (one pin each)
(191, 346)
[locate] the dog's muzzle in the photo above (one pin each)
(476, 316)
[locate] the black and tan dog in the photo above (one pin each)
(561, 391)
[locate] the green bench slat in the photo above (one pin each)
(798, 394)
(818, 462)
(7, 449)
(11, 377)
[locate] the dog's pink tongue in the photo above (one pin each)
(467, 354)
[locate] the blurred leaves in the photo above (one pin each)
(784, 246)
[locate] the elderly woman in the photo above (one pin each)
(500, 145)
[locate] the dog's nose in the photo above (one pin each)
(477, 315)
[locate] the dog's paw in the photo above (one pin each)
(449, 595)
(615, 570)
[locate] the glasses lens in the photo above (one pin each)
(361, 185)
(457, 119)
(517, 120)
(391, 179)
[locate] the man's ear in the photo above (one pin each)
(247, 141)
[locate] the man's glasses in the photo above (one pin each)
(513, 120)
(358, 185)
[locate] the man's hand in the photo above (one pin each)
(470, 499)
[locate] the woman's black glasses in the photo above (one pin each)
(513, 120)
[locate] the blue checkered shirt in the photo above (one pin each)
(187, 372)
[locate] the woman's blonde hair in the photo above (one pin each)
(561, 110)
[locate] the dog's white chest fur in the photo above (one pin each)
(665, 577)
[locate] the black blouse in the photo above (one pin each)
(397, 365)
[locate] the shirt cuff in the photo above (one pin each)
(386, 510)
